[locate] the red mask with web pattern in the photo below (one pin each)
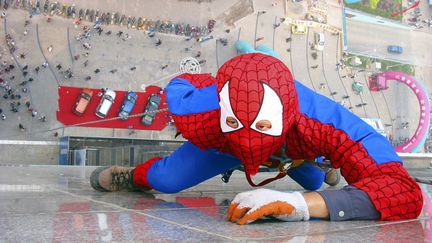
(258, 102)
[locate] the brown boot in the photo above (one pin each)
(112, 179)
(332, 177)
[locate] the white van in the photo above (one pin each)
(105, 103)
(319, 41)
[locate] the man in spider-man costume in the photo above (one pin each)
(253, 111)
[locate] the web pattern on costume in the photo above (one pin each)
(202, 129)
(246, 75)
(392, 191)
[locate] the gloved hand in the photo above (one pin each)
(252, 205)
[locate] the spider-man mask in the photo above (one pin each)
(258, 101)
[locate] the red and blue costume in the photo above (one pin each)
(252, 110)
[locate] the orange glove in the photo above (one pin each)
(252, 205)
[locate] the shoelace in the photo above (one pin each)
(120, 180)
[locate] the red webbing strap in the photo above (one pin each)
(266, 181)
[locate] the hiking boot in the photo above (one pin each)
(112, 179)
(332, 177)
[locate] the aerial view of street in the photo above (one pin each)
(85, 84)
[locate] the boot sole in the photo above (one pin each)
(94, 179)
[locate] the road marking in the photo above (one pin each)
(23, 142)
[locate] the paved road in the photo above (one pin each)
(373, 40)
(111, 52)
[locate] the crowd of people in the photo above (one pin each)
(14, 87)
(16, 75)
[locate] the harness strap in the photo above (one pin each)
(266, 181)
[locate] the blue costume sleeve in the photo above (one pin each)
(183, 98)
(188, 166)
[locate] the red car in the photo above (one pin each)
(82, 101)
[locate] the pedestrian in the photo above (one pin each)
(108, 33)
(25, 67)
(97, 70)
(45, 64)
(21, 127)
(164, 66)
(85, 63)
(22, 55)
(76, 57)
(37, 69)
(25, 32)
(59, 66)
(27, 104)
(50, 48)
(3, 117)
(42, 118)
(87, 78)
(288, 39)
(198, 54)
(30, 79)
(132, 68)
(56, 134)
(25, 73)
(34, 113)
(158, 42)
(314, 66)
(113, 71)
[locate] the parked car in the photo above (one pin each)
(128, 105)
(319, 41)
(205, 38)
(298, 29)
(105, 103)
(82, 101)
(150, 110)
(395, 49)
(210, 25)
